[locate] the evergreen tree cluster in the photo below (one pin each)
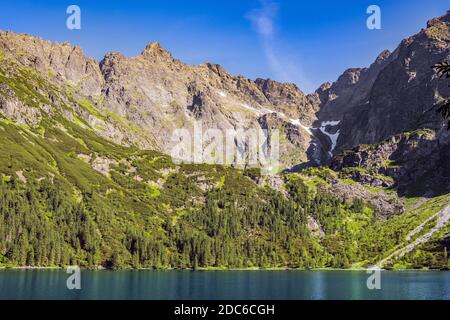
(43, 225)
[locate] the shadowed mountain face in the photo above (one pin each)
(396, 99)
(416, 161)
(397, 93)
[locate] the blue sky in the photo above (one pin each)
(305, 42)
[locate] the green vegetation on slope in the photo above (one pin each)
(69, 196)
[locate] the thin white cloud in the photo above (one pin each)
(263, 20)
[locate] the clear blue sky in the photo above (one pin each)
(306, 42)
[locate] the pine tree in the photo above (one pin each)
(443, 71)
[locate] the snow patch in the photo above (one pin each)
(333, 137)
(222, 94)
(295, 122)
(332, 97)
(330, 123)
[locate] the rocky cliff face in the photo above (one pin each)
(396, 93)
(395, 136)
(64, 62)
(416, 163)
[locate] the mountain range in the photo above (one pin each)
(364, 169)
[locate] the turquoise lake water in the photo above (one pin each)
(227, 285)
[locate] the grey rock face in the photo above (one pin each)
(156, 94)
(62, 62)
(396, 93)
(417, 162)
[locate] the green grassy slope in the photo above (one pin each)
(69, 196)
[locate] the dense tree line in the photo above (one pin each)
(43, 224)
(38, 227)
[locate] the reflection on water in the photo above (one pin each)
(183, 285)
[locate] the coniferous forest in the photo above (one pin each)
(42, 225)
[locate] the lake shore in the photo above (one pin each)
(100, 268)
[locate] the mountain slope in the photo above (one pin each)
(442, 216)
(80, 186)
(415, 163)
(69, 196)
(158, 94)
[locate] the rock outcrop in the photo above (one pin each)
(397, 93)
(417, 163)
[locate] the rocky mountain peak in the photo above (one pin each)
(439, 20)
(156, 52)
(383, 56)
(324, 86)
(217, 69)
(277, 92)
(154, 47)
(438, 30)
(114, 56)
(350, 76)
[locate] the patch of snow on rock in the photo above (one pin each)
(266, 111)
(330, 123)
(333, 137)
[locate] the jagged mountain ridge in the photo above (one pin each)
(143, 99)
(159, 94)
(388, 119)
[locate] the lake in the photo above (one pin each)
(223, 285)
